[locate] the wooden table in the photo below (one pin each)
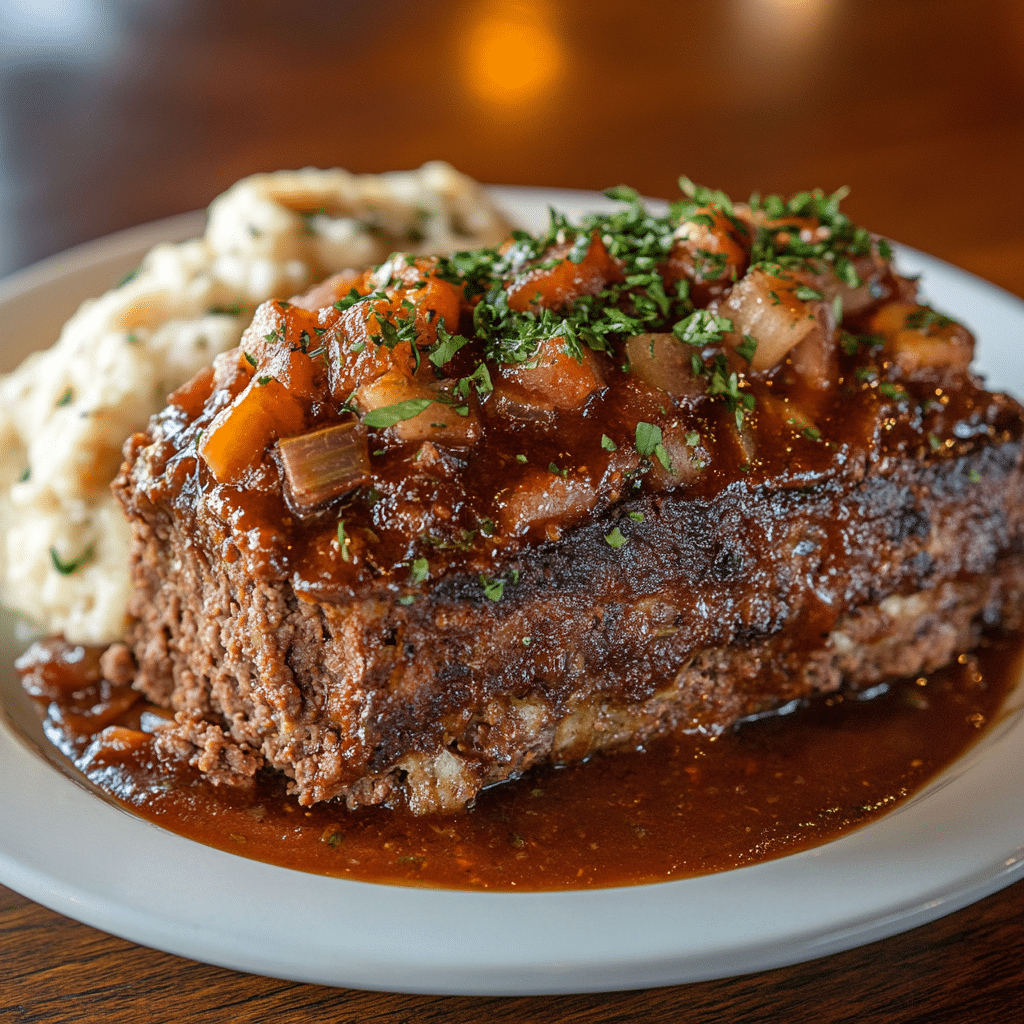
(133, 112)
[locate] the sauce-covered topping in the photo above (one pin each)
(437, 415)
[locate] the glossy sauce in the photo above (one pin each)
(686, 806)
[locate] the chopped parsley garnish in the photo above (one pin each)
(747, 347)
(66, 398)
(343, 541)
(893, 391)
(649, 442)
(616, 539)
(67, 568)
(389, 415)
(493, 589)
(419, 572)
(702, 329)
(725, 384)
(446, 347)
(608, 444)
(924, 320)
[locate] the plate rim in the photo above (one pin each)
(117, 895)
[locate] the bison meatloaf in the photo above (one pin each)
(441, 521)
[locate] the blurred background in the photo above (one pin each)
(117, 112)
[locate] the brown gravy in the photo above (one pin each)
(686, 806)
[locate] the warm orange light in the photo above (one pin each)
(513, 54)
(790, 24)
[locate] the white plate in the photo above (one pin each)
(955, 842)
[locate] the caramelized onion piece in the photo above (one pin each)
(324, 464)
(663, 362)
(540, 498)
(767, 308)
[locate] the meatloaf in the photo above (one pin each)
(444, 520)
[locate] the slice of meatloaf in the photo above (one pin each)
(364, 561)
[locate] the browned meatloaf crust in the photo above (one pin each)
(668, 608)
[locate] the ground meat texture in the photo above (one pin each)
(525, 580)
(713, 611)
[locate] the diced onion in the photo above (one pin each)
(324, 464)
(663, 362)
(539, 497)
(766, 307)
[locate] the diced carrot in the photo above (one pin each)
(555, 376)
(301, 375)
(566, 281)
(437, 300)
(921, 340)
(237, 439)
(710, 251)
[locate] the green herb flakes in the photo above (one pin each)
(343, 541)
(67, 568)
(747, 347)
(893, 391)
(649, 442)
(389, 415)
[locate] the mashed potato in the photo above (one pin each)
(65, 412)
